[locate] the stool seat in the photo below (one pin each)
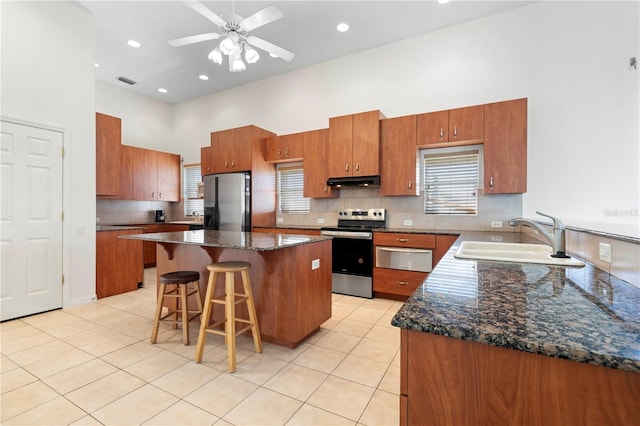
(229, 300)
(179, 277)
(175, 285)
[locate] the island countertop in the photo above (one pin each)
(580, 314)
(255, 241)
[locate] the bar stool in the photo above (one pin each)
(230, 300)
(176, 285)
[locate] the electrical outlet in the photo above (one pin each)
(280, 220)
(321, 220)
(315, 264)
(496, 238)
(605, 252)
(408, 222)
(496, 224)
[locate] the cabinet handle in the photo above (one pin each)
(279, 153)
(357, 167)
(403, 240)
(159, 194)
(491, 183)
(153, 195)
(455, 132)
(226, 164)
(410, 184)
(233, 163)
(441, 133)
(346, 167)
(286, 151)
(402, 282)
(326, 189)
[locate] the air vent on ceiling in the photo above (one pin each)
(126, 80)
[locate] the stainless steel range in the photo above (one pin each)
(352, 254)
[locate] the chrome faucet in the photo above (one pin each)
(555, 237)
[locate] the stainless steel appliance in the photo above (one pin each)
(227, 202)
(352, 250)
(406, 259)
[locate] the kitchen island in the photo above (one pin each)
(486, 342)
(290, 275)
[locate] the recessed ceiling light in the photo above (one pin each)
(97, 65)
(443, 1)
(133, 43)
(162, 90)
(203, 77)
(342, 27)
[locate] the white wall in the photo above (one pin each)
(569, 58)
(48, 78)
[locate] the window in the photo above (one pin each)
(290, 189)
(191, 179)
(451, 182)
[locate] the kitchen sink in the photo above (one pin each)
(512, 252)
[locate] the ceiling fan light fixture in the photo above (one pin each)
(238, 65)
(227, 46)
(216, 56)
(251, 55)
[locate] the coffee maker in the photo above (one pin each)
(159, 215)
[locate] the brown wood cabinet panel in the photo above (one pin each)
(206, 160)
(316, 164)
(108, 138)
(168, 175)
(398, 156)
(118, 263)
(149, 247)
(443, 244)
(426, 241)
(499, 386)
(340, 141)
(126, 173)
(394, 281)
(366, 143)
(432, 128)
(284, 148)
(240, 140)
(145, 179)
(505, 147)
(466, 124)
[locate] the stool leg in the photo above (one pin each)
(255, 330)
(230, 323)
(156, 320)
(206, 315)
(185, 314)
(197, 295)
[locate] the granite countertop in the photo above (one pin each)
(580, 314)
(256, 241)
(103, 228)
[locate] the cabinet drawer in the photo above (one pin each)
(393, 281)
(404, 240)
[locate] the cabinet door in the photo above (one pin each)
(398, 156)
(432, 127)
(290, 147)
(272, 152)
(366, 144)
(206, 160)
(145, 180)
(316, 166)
(340, 142)
(239, 148)
(466, 124)
(126, 173)
(219, 152)
(168, 174)
(396, 282)
(108, 131)
(505, 147)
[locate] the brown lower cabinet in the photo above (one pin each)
(118, 263)
(149, 247)
(448, 381)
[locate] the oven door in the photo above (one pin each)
(352, 263)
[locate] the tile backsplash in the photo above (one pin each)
(128, 212)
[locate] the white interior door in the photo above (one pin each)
(30, 220)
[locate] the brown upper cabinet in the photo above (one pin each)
(505, 147)
(354, 144)
(461, 126)
(108, 138)
(156, 175)
(206, 160)
(316, 166)
(285, 148)
(231, 150)
(398, 156)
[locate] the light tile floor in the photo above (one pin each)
(94, 364)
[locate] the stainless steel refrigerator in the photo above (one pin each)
(227, 202)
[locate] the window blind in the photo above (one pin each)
(290, 190)
(451, 183)
(191, 178)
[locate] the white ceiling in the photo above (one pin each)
(308, 29)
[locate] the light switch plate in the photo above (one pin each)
(496, 224)
(315, 264)
(320, 220)
(408, 222)
(280, 220)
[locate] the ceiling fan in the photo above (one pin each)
(234, 30)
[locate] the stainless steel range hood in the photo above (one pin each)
(363, 181)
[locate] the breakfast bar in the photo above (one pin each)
(290, 274)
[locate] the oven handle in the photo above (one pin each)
(348, 234)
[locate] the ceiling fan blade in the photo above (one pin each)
(193, 39)
(271, 48)
(261, 17)
(204, 11)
